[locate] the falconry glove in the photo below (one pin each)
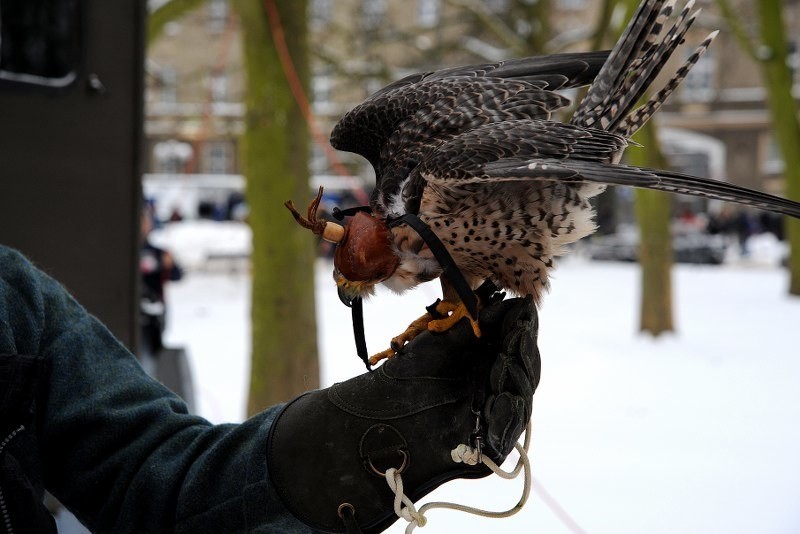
(329, 449)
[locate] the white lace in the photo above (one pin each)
(405, 509)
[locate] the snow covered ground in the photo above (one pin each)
(696, 432)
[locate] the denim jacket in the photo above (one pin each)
(79, 417)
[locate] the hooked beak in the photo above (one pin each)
(346, 300)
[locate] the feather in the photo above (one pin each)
(574, 171)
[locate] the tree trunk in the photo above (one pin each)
(275, 156)
(653, 213)
(784, 113)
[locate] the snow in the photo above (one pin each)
(693, 432)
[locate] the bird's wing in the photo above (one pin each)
(555, 71)
(541, 150)
(628, 175)
(519, 140)
(462, 159)
(395, 127)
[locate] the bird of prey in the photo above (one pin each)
(473, 153)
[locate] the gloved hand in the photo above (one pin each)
(332, 446)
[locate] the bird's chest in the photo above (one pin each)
(475, 217)
(511, 231)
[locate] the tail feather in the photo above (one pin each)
(644, 75)
(628, 49)
(633, 121)
(634, 64)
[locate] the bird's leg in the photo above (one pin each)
(416, 327)
(444, 315)
(383, 355)
(440, 317)
(453, 312)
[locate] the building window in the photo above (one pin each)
(171, 157)
(320, 12)
(772, 161)
(217, 15)
(168, 85)
(218, 85)
(218, 159)
(698, 86)
(428, 13)
(40, 42)
(373, 14)
(321, 89)
(319, 159)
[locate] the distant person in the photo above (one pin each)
(235, 206)
(157, 267)
(176, 215)
(735, 223)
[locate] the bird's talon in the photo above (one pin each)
(383, 355)
(476, 328)
(433, 310)
(452, 314)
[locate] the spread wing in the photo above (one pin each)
(535, 151)
(397, 127)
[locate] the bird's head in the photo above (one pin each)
(364, 255)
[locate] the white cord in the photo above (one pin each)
(470, 456)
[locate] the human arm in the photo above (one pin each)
(115, 446)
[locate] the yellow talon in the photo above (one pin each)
(452, 312)
(384, 355)
(414, 329)
(456, 311)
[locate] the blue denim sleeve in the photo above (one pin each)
(119, 449)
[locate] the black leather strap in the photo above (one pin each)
(340, 214)
(358, 331)
(449, 268)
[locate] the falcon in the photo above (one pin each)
(473, 155)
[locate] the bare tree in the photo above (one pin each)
(274, 156)
(653, 214)
(275, 152)
(770, 49)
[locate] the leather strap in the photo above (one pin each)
(358, 331)
(449, 268)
